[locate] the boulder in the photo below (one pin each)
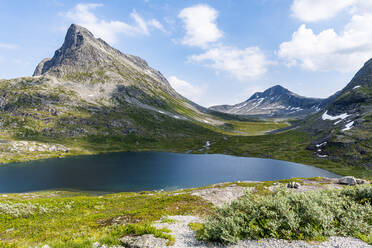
(293, 185)
(348, 180)
(360, 181)
(144, 241)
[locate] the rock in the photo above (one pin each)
(144, 241)
(360, 181)
(348, 180)
(293, 185)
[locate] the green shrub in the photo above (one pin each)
(287, 215)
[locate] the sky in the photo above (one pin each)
(212, 52)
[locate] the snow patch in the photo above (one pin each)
(242, 106)
(322, 156)
(321, 144)
(325, 116)
(348, 126)
(356, 87)
(207, 144)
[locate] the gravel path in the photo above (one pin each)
(185, 238)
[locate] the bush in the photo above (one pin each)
(287, 215)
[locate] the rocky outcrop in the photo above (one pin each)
(349, 180)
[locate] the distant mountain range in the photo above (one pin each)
(276, 101)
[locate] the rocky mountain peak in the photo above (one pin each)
(79, 51)
(82, 54)
(274, 101)
(75, 37)
(276, 90)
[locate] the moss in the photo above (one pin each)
(198, 228)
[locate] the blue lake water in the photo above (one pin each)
(137, 171)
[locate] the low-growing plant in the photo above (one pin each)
(197, 228)
(136, 230)
(287, 215)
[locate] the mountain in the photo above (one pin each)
(276, 101)
(89, 92)
(343, 130)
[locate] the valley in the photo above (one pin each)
(90, 98)
(186, 124)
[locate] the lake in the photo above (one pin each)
(137, 171)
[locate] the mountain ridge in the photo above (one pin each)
(275, 101)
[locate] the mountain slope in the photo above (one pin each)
(90, 97)
(92, 93)
(276, 101)
(343, 130)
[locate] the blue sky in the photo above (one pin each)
(213, 52)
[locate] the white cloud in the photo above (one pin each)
(248, 63)
(186, 89)
(317, 10)
(200, 24)
(328, 50)
(8, 46)
(156, 24)
(109, 30)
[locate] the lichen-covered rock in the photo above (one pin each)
(348, 180)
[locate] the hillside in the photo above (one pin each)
(276, 101)
(90, 97)
(343, 130)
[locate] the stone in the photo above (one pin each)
(144, 241)
(360, 181)
(293, 185)
(348, 180)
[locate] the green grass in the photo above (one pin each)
(65, 219)
(68, 219)
(112, 238)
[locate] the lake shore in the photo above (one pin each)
(82, 219)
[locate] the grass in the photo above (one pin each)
(68, 219)
(64, 219)
(118, 231)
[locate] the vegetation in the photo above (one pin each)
(312, 215)
(67, 219)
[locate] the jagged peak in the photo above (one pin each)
(76, 35)
(81, 50)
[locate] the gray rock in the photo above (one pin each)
(348, 180)
(144, 241)
(361, 181)
(293, 185)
